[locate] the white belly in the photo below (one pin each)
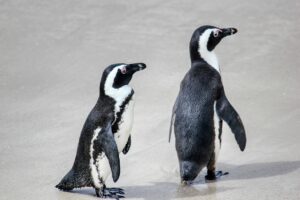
(121, 138)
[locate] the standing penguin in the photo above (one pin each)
(105, 134)
(201, 107)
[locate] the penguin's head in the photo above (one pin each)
(118, 75)
(206, 38)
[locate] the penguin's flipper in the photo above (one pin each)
(127, 146)
(172, 118)
(108, 143)
(232, 118)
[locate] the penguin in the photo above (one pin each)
(106, 133)
(201, 107)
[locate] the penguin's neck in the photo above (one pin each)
(210, 57)
(118, 94)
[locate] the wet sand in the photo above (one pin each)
(52, 55)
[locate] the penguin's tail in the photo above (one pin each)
(189, 170)
(73, 180)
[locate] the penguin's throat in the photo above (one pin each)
(210, 57)
(119, 94)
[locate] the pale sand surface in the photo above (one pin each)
(52, 54)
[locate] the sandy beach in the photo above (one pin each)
(52, 54)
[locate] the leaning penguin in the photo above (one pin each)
(201, 107)
(105, 134)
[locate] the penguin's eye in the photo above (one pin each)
(123, 70)
(216, 33)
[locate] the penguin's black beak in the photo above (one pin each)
(229, 31)
(134, 67)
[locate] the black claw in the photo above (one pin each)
(225, 173)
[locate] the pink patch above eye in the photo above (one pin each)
(216, 32)
(123, 70)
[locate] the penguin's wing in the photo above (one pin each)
(127, 146)
(172, 119)
(232, 118)
(109, 146)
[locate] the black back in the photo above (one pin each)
(194, 124)
(193, 111)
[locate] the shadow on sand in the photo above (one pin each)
(170, 190)
(258, 170)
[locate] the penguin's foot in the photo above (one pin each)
(114, 193)
(186, 183)
(214, 175)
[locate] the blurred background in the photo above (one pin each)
(52, 54)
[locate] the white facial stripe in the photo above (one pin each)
(209, 56)
(118, 94)
(110, 79)
(95, 175)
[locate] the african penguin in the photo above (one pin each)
(201, 106)
(106, 132)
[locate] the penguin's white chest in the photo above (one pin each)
(125, 125)
(121, 137)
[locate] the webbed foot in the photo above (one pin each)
(211, 175)
(114, 193)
